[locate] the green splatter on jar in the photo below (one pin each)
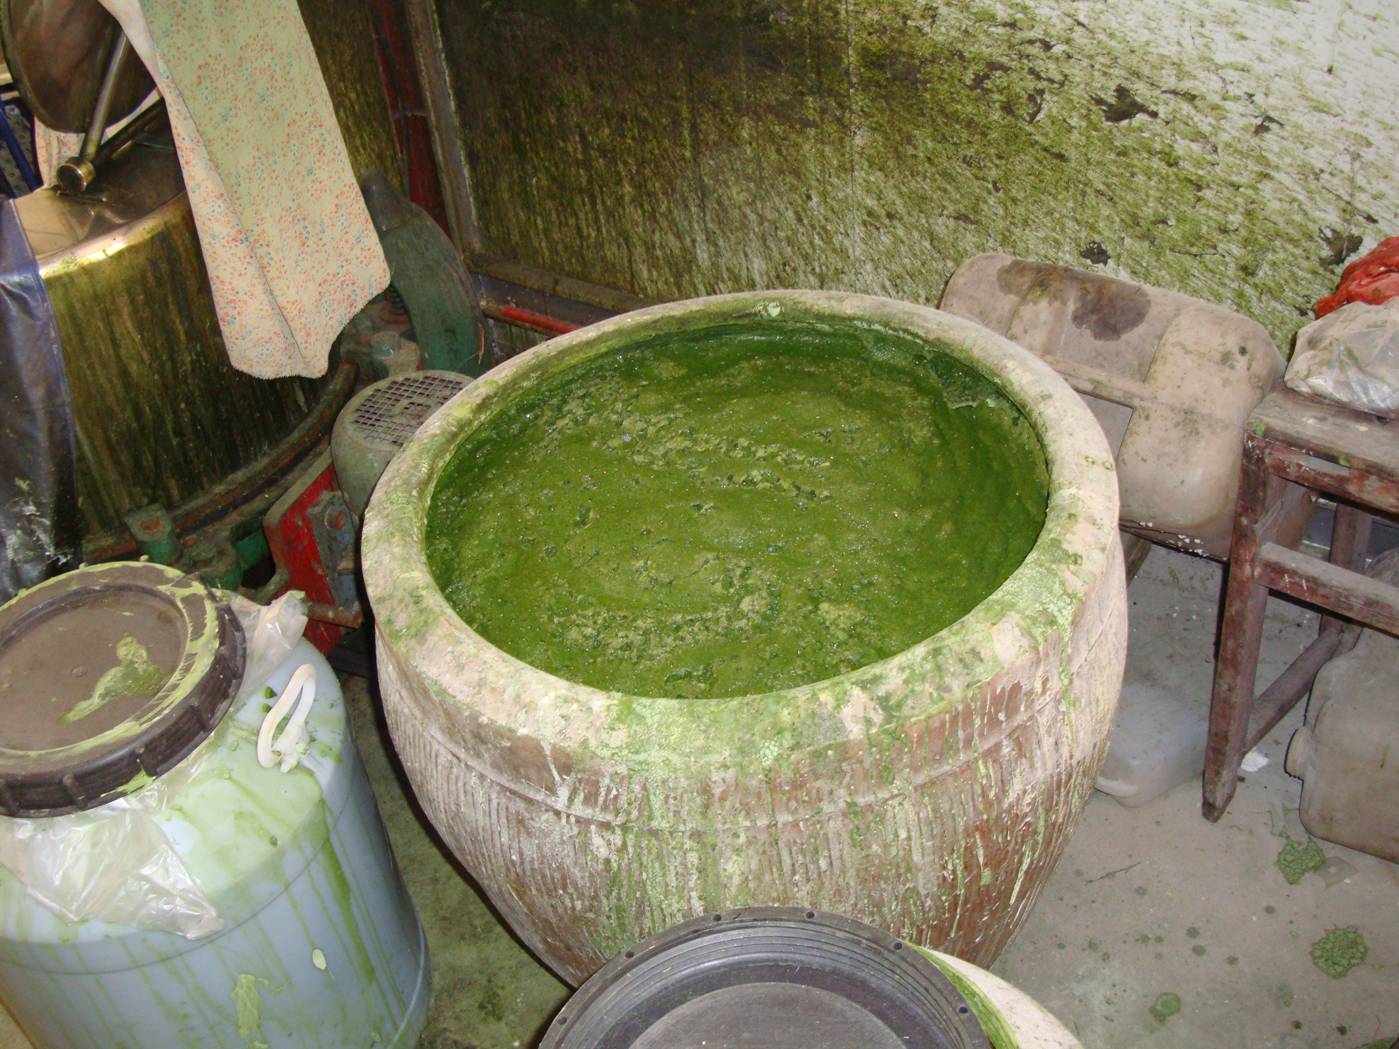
(134, 675)
(1339, 951)
(1167, 1004)
(728, 512)
(1298, 859)
(248, 1003)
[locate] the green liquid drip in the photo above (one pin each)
(730, 511)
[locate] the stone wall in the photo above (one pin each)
(1238, 150)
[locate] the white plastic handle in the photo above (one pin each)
(291, 744)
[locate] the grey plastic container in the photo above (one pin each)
(1345, 753)
(1170, 378)
(320, 948)
(1158, 742)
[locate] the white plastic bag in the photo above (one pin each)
(1351, 357)
(115, 863)
(271, 632)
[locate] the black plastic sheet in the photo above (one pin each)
(40, 530)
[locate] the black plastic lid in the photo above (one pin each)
(774, 977)
(109, 676)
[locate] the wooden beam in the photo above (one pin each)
(1370, 489)
(426, 32)
(1336, 589)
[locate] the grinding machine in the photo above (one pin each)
(174, 455)
(169, 442)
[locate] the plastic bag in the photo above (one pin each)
(40, 526)
(1373, 278)
(1351, 357)
(271, 631)
(115, 863)
(111, 864)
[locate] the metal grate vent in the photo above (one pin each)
(392, 413)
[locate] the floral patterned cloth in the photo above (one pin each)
(289, 246)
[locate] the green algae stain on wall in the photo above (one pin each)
(1229, 150)
(343, 36)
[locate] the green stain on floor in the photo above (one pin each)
(1299, 858)
(1167, 1004)
(1339, 951)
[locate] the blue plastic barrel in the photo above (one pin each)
(320, 946)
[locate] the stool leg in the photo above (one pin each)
(1241, 633)
(1236, 673)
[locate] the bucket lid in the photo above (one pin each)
(109, 676)
(771, 976)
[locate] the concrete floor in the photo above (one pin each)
(1147, 901)
(1154, 900)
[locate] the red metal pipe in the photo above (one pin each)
(531, 319)
(350, 618)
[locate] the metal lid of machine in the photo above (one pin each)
(377, 422)
(57, 53)
(121, 210)
(771, 976)
(109, 676)
(387, 413)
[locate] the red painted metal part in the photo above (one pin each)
(349, 618)
(531, 319)
(292, 540)
(399, 73)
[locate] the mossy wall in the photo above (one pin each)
(343, 35)
(1238, 150)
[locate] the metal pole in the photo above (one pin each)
(77, 173)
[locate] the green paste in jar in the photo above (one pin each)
(734, 511)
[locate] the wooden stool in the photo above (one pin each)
(1295, 444)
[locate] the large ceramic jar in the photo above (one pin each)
(929, 792)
